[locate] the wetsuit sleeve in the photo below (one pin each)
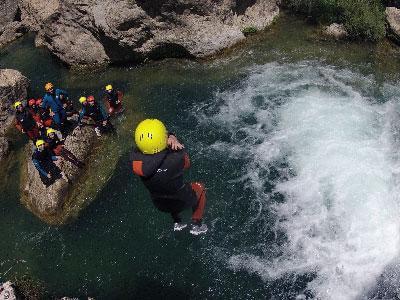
(44, 102)
(38, 167)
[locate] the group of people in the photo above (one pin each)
(159, 159)
(46, 121)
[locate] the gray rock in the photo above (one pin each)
(4, 147)
(336, 31)
(13, 87)
(48, 202)
(7, 291)
(67, 34)
(35, 12)
(393, 20)
(93, 32)
(11, 32)
(8, 12)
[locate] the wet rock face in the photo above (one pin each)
(90, 32)
(48, 202)
(393, 20)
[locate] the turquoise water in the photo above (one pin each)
(260, 123)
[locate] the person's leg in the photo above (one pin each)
(198, 209)
(176, 217)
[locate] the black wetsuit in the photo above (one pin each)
(162, 174)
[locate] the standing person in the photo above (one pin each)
(160, 161)
(52, 100)
(43, 160)
(114, 100)
(25, 122)
(92, 110)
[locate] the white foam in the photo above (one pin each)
(340, 213)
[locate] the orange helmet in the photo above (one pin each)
(90, 98)
(48, 86)
(31, 102)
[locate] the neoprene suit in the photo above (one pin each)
(162, 174)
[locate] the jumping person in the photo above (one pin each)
(25, 122)
(160, 161)
(55, 143)
(114, 100)
(52, 100)
(43, 159)
(92, 110)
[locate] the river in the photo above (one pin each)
(296, 139)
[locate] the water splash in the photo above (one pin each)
(332, 144)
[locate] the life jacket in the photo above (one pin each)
(25, 120)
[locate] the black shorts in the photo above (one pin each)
(183, 199)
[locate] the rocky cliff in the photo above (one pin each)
(97, 32)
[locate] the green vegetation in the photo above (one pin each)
(363, 19)
(249, 30)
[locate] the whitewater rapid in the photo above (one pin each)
(335, 147)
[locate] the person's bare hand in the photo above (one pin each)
(173, 143)
(48, 176)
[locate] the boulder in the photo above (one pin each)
(11, 32)
(87, 32)
(35, 12)
(7, 291)
(337, 31)
(13, 87)
(9, 12)
(48, 202)
(393, 20)
(69, 35)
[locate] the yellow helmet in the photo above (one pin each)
(108, 87)
(39, 143)
(50, 130)
(82, 100)
(151, 136)
(16, 104)
(48, 86)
